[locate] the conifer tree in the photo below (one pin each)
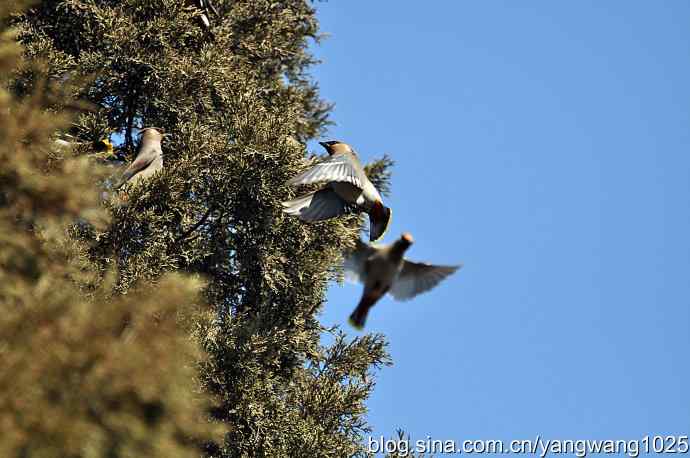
(85, 372)
(239, 106)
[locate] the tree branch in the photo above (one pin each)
(196, 226)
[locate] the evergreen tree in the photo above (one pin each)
(85, 373)
(239, 106)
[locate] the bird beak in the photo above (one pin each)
(324, 144)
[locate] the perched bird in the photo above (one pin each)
(385, 270)
(347, 190)
(149, 157)
(102, 146)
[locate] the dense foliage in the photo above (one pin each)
(180, 313)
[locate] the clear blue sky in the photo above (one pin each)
(547, 146)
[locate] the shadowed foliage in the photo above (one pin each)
(85, 372)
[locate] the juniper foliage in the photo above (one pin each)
(85, 372)
(239, 106)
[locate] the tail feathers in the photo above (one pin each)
(379, 220)
(359, 316)
(316, 206)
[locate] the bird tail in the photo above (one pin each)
(316, 206)
(379, 220)
(359, 315)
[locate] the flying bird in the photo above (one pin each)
(385, 270)
(149, 157)
(348, 190)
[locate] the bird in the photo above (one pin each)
(348, 190)
(103, 146)
(384, 269)
(149, 158)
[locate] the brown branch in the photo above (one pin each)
(196, 226)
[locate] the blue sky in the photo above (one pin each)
(547, 146)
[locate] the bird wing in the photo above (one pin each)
(355, 262)
(418, 277)
(317, 206)
(141, 162)
(339, 167)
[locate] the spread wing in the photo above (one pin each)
(355, 262)
(417, 277)
(318, 206)
(339, 167)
